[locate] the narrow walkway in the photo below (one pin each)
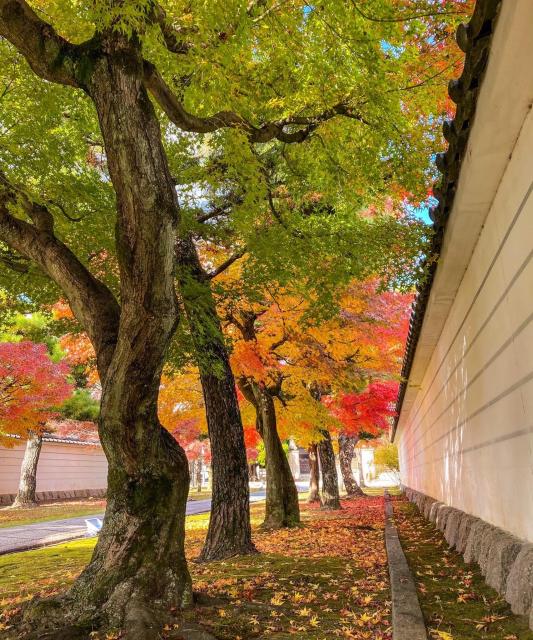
(42, 534)
(407, 618)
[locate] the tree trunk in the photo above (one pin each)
(253, 472)
(282, 508)
(199, 475)
(314, 474)
(346, 451)
(359, 458)
(229, 531)
(28, 473)
(138, 571)
(329, 498)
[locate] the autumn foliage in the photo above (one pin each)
(31, 388)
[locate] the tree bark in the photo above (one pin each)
(359, 458)
(28, 473)
(346, 451)
(229, 532)
(329, 498)
(314, 474)
(282, 508)
(138, 570)
(199, 474)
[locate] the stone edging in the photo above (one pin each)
(407, 618)
(504, 560)
(8, 498)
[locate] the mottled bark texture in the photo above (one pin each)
(199, 465)
(138, 572)
(346, 450)
(329, 498)
(314, 474)
(282, 508)
(28, 473)
(229, 531)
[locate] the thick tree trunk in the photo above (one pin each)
(314, 474)
(28, 473)
(329, 498)
(229, 531)
(346, 451)
(138, 571)
(282, 508)
(253, 472)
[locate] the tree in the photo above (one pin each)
(314, 495)
(346, 451)
(329, 497)
(127, 63)
(31, 388)
(229, 532)
(386, 459)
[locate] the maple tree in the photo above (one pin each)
(128, 92)
(31, 388)
(295, 370)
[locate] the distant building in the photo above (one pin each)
(68, 468)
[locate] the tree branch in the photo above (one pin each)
(175, 38)
(186, 121)
(91, 301)
(227, 263)
(49, 55)
(414, 16)
(223, 209)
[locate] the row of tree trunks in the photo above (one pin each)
(347, 446)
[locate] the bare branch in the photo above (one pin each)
(227, 263)
(174, 37)
(49, 55)
(223, 209)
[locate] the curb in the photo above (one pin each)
(407, 618)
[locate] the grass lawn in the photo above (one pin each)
(66, 509)
(194, 494)
(51, 511)
(325, 579)
(456, 602)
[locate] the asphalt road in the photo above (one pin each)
(42, 534)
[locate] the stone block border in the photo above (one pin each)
(504, 560)
(7, 498)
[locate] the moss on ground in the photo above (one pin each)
(453, 595)
(326, 579)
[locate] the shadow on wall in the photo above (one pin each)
(452, 488)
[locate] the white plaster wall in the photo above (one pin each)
(467, 438)
(62, 467)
